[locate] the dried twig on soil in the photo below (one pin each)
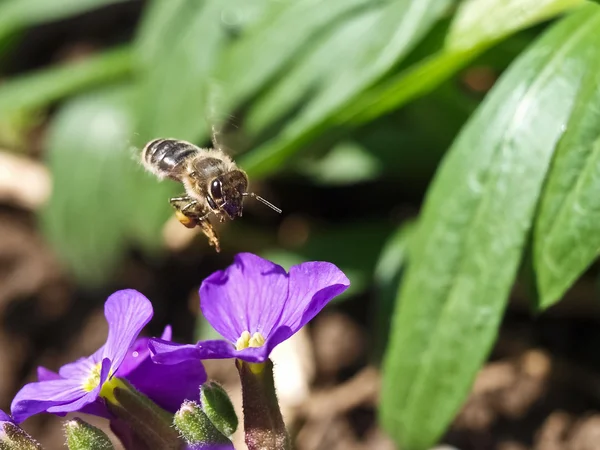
(24, 182)
(360, 390)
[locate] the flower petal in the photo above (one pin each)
(78, 370)
(169, 353)
(79, 404)
(247, 296)
(169, 385)
(44, 374)
(252, 354)
(312, 286)
(96, 408)
(34, 398)
(139, 353)
(55, 396)
(4, 417)
(166, 385)
(228, 446)
(167, 333)
(127, 313)
(166, 352)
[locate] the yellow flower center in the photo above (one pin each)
(246, 341)
(94, 378)
(108, 388)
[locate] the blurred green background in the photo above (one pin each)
(340, 111)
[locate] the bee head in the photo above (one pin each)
(226, 193)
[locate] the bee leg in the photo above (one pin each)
(210, 233)
(188, 213)
(189, 206)
(183, 211)
(183, 198)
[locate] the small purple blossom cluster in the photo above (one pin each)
(254, 304)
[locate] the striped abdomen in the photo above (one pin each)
(164, 157)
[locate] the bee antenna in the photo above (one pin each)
(263, 201)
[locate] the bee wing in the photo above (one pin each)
(218, 120)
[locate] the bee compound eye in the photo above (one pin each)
(215, 189)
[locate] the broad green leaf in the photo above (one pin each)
(486, 21)
(396, 30)
(159, 29)
(240, 16)
(102, 199)
(174, 97)
(348, 162)
(471, 234)
(413, 82)
(18, 14)
(463, 44)
(162, 22)
(268, 46)
(567, 231)
(311, 69)
(41, 88)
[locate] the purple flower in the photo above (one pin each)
(209, 447)
(256, 305)
(4, 417)
(85, 384)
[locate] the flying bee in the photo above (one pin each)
(213, 183)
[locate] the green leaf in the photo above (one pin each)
(175, 87)
(567, 229)
(159, 28)
(474, 225)
(18, 14)
(102, 199)
(398, 26)
(463, 44)
(268, 46)
(41, 88)
(346, 163)
(312, 68)
(485, 21)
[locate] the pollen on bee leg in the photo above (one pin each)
(189, 222)
(246, 340)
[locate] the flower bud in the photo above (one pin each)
(14, 438)
(217, 405)
(195, 426)
(83, 436)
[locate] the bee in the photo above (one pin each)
(213, 182)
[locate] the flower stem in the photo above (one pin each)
(263, 424)
(151, 423)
